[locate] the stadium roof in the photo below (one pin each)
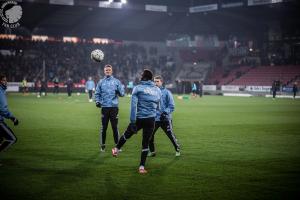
(86, 19)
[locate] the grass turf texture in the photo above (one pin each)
(232, 148)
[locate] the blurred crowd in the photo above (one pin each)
(56, 59)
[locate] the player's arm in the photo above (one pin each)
(98, 94)
(86, 86)
(120, 89)
(170, 103)
(158, 109)
(133, 107)
(4, 112)
(93, 84)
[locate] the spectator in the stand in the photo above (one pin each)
(180, 87)
(43, 88)
(295, 89)
(82, 81)
(201, 89)
(25, 86)
(37, 85)
(274, 88)
(56, 85)
(69, 84)
(177, 86)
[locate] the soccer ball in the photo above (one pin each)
(97, 55)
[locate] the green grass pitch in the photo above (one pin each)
(232, 148)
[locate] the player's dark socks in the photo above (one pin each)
(103, 135)
(143, 157)
(116, 135)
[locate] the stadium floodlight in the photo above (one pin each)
(110, 1)
(123, 1)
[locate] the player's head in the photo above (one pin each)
(108, 70)
(3, 81)
(90, 78)
(147, 75)
(158, 80)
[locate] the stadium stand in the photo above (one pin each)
(222, 77)
(265, 75)
(193, 71)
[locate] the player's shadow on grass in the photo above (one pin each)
(143, 185)
(113, 191)
(59, 178)
(55, 176)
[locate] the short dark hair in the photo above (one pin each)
(158, 77)
(108, 66)
(2, 76)
(147, 75)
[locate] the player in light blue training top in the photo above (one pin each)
(194, 90)
(90, 88)
(164, 117)
(7, 136)
(107, 93)
(144, 104)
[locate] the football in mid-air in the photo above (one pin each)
(97, 55)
